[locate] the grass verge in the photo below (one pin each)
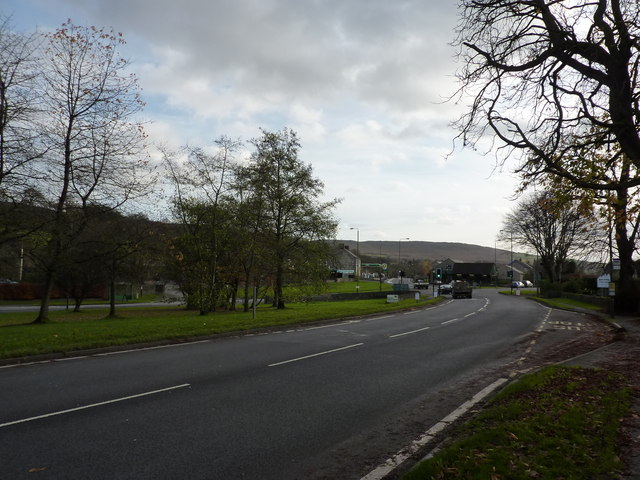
(68, 331)
(559, 423)
(567, 303)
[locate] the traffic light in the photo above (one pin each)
(438, 273)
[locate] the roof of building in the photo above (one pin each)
(473, 268)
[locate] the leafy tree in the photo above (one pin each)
(292, 217)
(82, 269)
(555, 228)
(120, 248)
(201, 254)
(95, 145)
(618, 206)
(425, 268)
(201, 202)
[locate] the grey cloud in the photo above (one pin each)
(307, 49)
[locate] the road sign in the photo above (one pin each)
(604, 281)
(371, 264)
(612, 289)
(616, 263)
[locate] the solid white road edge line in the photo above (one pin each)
(104, 354)
(409, 333)
(450, 321)
(387, 467)
(99, 404)
(315, 355)
(144, 349)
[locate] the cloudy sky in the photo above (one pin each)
(362, 82)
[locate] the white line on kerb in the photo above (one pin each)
(387, 467)
(409, 333)
(315, 355)
(99, 404)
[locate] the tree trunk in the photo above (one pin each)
(112, 299)
(245, 307)
(43, 314)
(626, 299)
(548, 266)
(277, 297)
(234, 296)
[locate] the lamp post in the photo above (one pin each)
(405, 238)
(511, 253)
(357, 270)
(511, 248)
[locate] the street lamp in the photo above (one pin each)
(511, 252)
(511, 249)
(406, 238)
(357, 270)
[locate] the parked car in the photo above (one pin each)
(444, 289)
(517, 285)
(527, 283)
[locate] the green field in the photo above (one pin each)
(67, 331)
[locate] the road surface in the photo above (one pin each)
(325, 401)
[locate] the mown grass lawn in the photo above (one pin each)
(68, 331)
(559, 423)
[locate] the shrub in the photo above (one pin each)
(550, 290)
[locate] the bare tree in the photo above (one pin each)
(18, 108)
(558, 83)
(95, 143)
(555, 228)
(17, 103)
(541, 72)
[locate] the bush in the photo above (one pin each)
(572, 286)
(550, 290)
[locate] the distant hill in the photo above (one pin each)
(411, 250)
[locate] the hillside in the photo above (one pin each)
(410, 250)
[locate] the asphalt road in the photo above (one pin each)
(330, 401)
